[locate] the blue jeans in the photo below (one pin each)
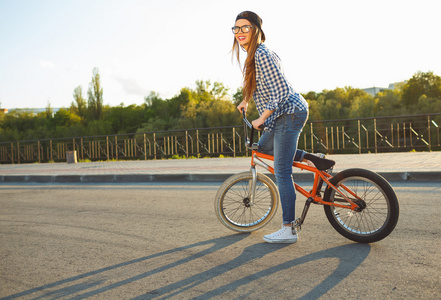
(282, 143)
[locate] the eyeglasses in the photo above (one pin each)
(244, 29)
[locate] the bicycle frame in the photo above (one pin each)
(320, 177)
(314, 194)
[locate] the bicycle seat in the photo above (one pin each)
(321, 164)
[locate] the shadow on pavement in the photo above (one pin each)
(94, 283)
(350, 257)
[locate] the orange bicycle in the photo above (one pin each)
(360, 204)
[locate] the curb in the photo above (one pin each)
(125, 178)
(139, 178)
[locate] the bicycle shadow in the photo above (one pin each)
(55, 289)
(350, 257)
(93, 283)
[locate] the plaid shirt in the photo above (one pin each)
(273, 91)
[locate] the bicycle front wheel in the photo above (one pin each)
(239, 209)
(379, 206)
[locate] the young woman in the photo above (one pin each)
(282, 110)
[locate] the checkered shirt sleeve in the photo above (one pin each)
(273, 91)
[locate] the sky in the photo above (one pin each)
(50, 47)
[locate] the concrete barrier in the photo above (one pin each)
(71, 157)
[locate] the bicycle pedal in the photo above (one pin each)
(296, 226)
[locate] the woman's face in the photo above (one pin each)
(243, 38)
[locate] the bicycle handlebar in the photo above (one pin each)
(249, 141)
(245, 119)
(261, 127)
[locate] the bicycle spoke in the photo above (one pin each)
(372, 217)
(239, 207)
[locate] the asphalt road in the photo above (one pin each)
(163, 241)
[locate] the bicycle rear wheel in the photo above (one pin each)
(380, 211)
(235, 207)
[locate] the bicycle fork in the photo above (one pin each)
(252, 187)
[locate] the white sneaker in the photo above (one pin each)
(284, 235)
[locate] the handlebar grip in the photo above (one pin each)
(261, 127)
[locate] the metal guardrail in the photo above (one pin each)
(367, 135)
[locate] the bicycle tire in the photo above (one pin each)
(233, 203)
(380, 216)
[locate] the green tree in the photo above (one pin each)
(314, 110)
(61, 117)
(362, 106)
(98, 127)
(189, 115)
(158, 108)
(420, 84)
(79, 105)
(95, 97)
(389, 103)
(178, 103)
(64, 117)
(148, 100)
(427, 105)
(238, 96)
(311, 96)
(125, 119)
(340, 103)
(49, 111)
(209, 105)
(208, 92)
(221, 113)
(314, 106)
(219, 91)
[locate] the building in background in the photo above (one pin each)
(375, 90)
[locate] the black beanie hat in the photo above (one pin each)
(253, 18)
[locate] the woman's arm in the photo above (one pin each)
(275, 82)
(243, 106)
(258, 122)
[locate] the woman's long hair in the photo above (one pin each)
(249, 69)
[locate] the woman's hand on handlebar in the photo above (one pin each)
(258, 124)
(242, 106)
